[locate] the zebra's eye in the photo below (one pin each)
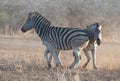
(97, 30)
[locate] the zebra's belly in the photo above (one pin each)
(77, 44)
(66, 47)
(62, 44)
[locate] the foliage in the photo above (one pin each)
(70, 13)
(4, 18)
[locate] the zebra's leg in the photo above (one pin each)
(46, 57)
(58, 54)
(86, 52)
(93, 51)
(55, 54)
(77, 58)
(50, 58)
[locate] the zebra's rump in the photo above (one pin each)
(68, 38)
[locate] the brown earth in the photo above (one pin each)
(23, 60)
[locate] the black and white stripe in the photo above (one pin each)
(59, 38)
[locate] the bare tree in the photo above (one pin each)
(70, 13)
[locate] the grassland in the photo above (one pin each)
(23, 60)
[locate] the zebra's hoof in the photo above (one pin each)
(95, 68)
(58, 65)
(71, 67)
(84, 66)
(49, 66)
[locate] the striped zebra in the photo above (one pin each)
(59, 38)
(89, 48)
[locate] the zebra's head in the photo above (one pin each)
(34, 20)
(29, 22)
(94, 32)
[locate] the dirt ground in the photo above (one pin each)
(22, 59)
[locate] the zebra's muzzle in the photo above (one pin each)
(98, 41)
(23, 30)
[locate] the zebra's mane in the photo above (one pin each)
(45, 20)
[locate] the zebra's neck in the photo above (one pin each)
(90, 35)
(42, 28)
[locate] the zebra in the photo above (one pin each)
(61, 38)
(90, 48)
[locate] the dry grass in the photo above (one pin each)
(19, 63)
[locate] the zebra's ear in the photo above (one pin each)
(34, 13)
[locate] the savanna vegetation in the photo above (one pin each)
(22, 55)
(68, 13)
